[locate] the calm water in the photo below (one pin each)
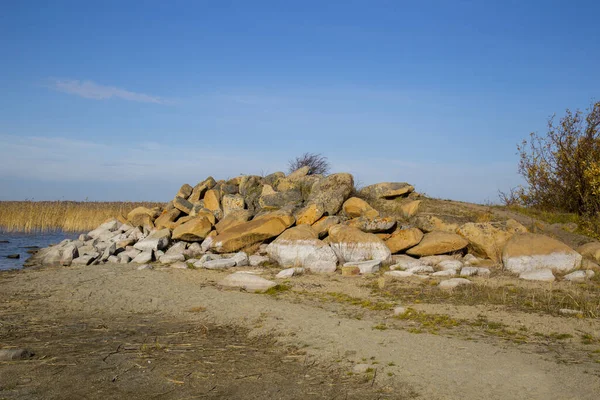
(18, 243)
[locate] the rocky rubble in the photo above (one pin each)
(319, 224)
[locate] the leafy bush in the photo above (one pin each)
(317, 163)
(562, 168)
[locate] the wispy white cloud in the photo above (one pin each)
(95, 91)
(157, 170)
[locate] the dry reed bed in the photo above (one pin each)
(68, 216)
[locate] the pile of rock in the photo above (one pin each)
(314, 223)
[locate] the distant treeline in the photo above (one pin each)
(69, 216)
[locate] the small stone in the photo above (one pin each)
(361, 368)
(446, 272)
(365, 267)
(568, 311)
(399, 310)
(218, 264)
(14, 354)
(256, 260)
(453, 283)
(405, 262)
(579, 276)
(544, 275)
(145, 266)
(472, 271)
(450, 264)
(240, 258)
(143, 258)
(113, 260)
(420, 269)
(179, 265)
(14, 256)
(249, 282)
(171, 258)
(289, 272)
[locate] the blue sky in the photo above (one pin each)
(128, 100)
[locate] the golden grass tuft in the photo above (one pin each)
(68, 216)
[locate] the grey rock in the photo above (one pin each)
(145, 266)
(453, 283)
(256, 260)
(143, 258)
(289, 272)
(86, 259)
(158, 240)
(113, 259)
(248, 282)
(579, 276)
(365, 267)
(171, 258)
(474, 271)
(544, 275)
(218, 264)
(240, 258)
(15, 354)
(399, 310)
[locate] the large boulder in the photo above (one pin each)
(249, 233)
(355, 207)
(212, 200)
(373, 225)
(430, 223)
(404, 239)
(438, 242)
(485, 239)
(182, 205)
(300, 247)
(352, 244)
(590, 251)
(166, 219)
(195, 230)
(232, 219)
(142, 216)
(157, 240)
(232, 202)
(387, 190)
(278, 200)
(530, 251)
(323, 224)
(332, 191)
(201, 188)
(185, 191)
(309, 214)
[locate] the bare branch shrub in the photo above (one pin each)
(318, 164)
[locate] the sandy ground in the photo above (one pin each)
(111, 331)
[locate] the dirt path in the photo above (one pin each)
(129, 308)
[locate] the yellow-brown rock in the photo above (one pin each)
(201, 188)
(410, 208)
(387, 190)
(529, 251)
(324, 223)
(404, 239)
(185, 191)
(142, 216)
(355, 207)
(309, 214)
(248, 233)
(232, 219)
(212, 200)
(430, 223)
(485, 239)
(232, 202)
(194, 230)
(590, 251)
(287, 218)
(352, 244)
(438, 242)
(166, 219)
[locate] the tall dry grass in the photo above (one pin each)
(69, 216)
